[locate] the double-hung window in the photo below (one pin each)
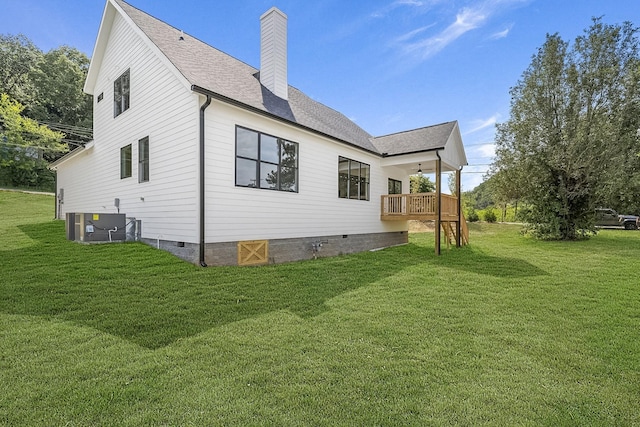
(265, 161)
(125, 162)
(353, 179)
(121, 90)
(143, 159)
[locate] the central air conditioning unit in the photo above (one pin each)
(93, 227)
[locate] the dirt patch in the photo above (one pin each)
(421, 226)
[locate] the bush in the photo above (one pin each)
(472, 215)
(490, 215)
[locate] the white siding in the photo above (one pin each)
(237, 213)
(161, 107)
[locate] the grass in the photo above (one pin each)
(507, 331)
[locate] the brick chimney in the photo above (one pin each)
(273, 52)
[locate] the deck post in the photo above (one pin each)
(459, 206)
(438, 202)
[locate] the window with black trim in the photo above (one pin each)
(265, 161)
(143, 159)
(125, 162)
(395, 186)
(121, 90)
(353, 179)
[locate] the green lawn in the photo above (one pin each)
(508, 331)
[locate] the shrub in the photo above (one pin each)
(472, 215)
(490, 215)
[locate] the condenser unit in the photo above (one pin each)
(94, 227)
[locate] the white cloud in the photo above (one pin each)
(467, 19)
(411, 34)
(486, 150)
(396, 4)
(501, 34)
(408, 3)
(471, 180)
(483, 124)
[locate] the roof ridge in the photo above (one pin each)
(233, 80)
(182, 31)
(414, 130)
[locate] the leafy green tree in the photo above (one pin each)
(22, 144)
(505, 187)
(58, 80)
(481, 196)
(421, 184)
(572, 130)
(18, 57)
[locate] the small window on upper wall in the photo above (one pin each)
(121, 90)
(125, 162)
(143, 160)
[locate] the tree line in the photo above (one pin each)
(41, 92)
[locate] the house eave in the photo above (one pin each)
(219, 97)
(428, 150)
(70, 155)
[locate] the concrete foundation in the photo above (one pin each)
(285, 250)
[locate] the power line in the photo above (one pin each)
(478, 144)
(39, 147)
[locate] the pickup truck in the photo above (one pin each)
(609, 218)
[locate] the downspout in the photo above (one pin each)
(55, 196)
(439, 194)
(459, 194)
(202, 180)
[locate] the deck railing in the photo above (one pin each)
(417, 206)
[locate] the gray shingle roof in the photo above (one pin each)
(414, 141)
(220, 74)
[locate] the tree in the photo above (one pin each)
(421, 184)
(572, 130)
(58, 80)
(18, 55)
(22, 144)
(481, 196)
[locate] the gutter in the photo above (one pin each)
(428, 150)
(82, 148)
(253, 109)
(203, 107)
(439, 192)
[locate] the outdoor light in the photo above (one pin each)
(419, 169)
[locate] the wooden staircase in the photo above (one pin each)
(449, 228)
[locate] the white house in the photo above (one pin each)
(226, 164)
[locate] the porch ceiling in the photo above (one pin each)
(409, 163)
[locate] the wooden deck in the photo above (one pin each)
(423, 206)
(420, 206)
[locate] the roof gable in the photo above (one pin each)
(219, 73)
(208, 70)
(413, 141)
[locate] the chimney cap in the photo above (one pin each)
(273, 9)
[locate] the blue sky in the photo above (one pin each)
(389, 65)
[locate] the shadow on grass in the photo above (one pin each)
(474, 261)
(153, 299)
